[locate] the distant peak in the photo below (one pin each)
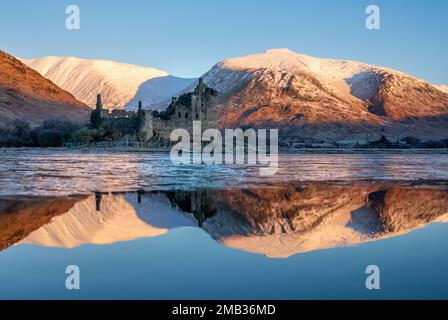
(278, 50)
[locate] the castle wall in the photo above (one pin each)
(114, 114)
(183, 119)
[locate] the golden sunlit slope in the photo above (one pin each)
(25, 94)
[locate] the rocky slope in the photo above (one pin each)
(121, 85)
(313, 99)
(27, 95)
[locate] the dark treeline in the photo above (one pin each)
(57, 133)
(406, 143)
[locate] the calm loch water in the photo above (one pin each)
(140, 228)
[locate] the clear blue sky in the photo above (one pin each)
(187, 37)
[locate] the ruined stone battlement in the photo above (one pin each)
(199, 105)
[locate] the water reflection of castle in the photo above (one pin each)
(200, 203)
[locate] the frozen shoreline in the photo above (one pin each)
(99, 149)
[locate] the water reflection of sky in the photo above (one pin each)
(188, 264)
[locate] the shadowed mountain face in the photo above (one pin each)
(26, 95)
(276, 222)
(155, 92)
(311, 99)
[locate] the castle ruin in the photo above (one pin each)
(199, 105)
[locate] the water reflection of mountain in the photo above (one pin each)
(276, 222)
(19, 217)
(285, 221)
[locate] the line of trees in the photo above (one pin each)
(57, 133)
(407, 143)
(51, 133)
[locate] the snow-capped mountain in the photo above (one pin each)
(120, 84)
(308, 99)
(316, 99)
(26, 95)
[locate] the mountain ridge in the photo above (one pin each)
(308, 99)
(121, 84)
(312, 99)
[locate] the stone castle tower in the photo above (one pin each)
(199, 105)
(96, 115)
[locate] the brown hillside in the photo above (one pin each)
(25, 94)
